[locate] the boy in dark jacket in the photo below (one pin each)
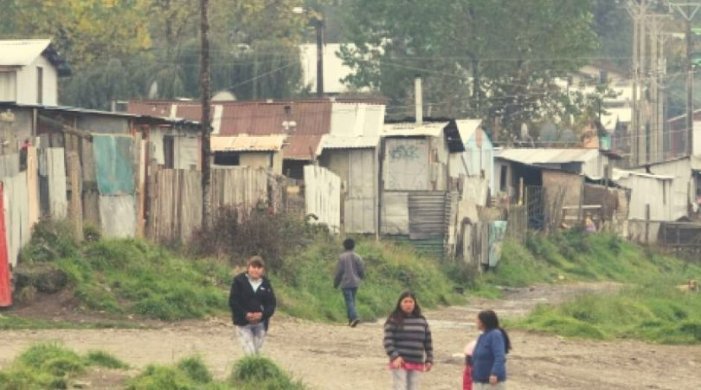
(350, 270)
(252, 303)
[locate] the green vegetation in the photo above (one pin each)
(129, 276)
(253, 373)
(51, 366)
(650, 308)
(191, 373)
(656, 313)
(133, 277)
(305, 285)
(10, 322)
(580, 257)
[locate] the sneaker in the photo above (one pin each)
(354, 322)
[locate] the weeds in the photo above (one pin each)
(51, 366)
(260, 373)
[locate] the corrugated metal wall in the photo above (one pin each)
(427, 215)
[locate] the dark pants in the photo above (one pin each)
(349, 297)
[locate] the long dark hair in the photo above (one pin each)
(397, 316)
(490, 321)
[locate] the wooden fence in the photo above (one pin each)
(175, 198)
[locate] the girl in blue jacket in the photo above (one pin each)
(489, 355)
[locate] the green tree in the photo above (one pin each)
(492, 58)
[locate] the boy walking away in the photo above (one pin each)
(349, 272)
(252, 303)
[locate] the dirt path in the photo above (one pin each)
(338, 357)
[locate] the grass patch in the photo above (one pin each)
(131, 276)
(51, 366)
(305, 283)
(10, 322)
(254, 373)
(574, 256)
(189, 373)
(124, 277)
(653, 312)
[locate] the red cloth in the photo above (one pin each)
(467, 378)
(409, 366)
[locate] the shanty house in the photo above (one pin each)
(415, 170)
(243, 150)
(29, 71)
(350, 151)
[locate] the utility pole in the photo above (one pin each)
(206, 107)
(318, 23)
(688, 10)
(636, 9)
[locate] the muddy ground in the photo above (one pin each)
(330, 356)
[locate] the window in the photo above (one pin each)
(502, 178)
(227, 158)
(168, 151)
(40, 85)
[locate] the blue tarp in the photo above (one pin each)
(114, 164)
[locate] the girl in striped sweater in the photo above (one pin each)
(408, 343)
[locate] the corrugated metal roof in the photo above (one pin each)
(619, 174)
(339, 142)
(244, 143)
(311, 117)
(410, 129)
(151, 108)
(547, 156)
(96, 112)
(301, 146)
(21, 52)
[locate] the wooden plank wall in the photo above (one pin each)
(175, 198)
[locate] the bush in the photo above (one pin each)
(255, 372)
(236, 237)
(103, 359)
(51, 240)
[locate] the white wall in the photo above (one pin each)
(696, 150)
(648, 191)
(680, 171)
(27, 83)
(356, 119)
(8, 86)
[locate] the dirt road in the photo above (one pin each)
(337, 357)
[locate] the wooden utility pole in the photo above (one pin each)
(688, 10)
(206, 128)
(318, 23)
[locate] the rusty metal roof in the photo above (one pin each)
(245, 143)
(311, 119)
(301, 146)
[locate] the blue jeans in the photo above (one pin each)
(349, 297)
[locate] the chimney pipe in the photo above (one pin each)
(418, 100)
